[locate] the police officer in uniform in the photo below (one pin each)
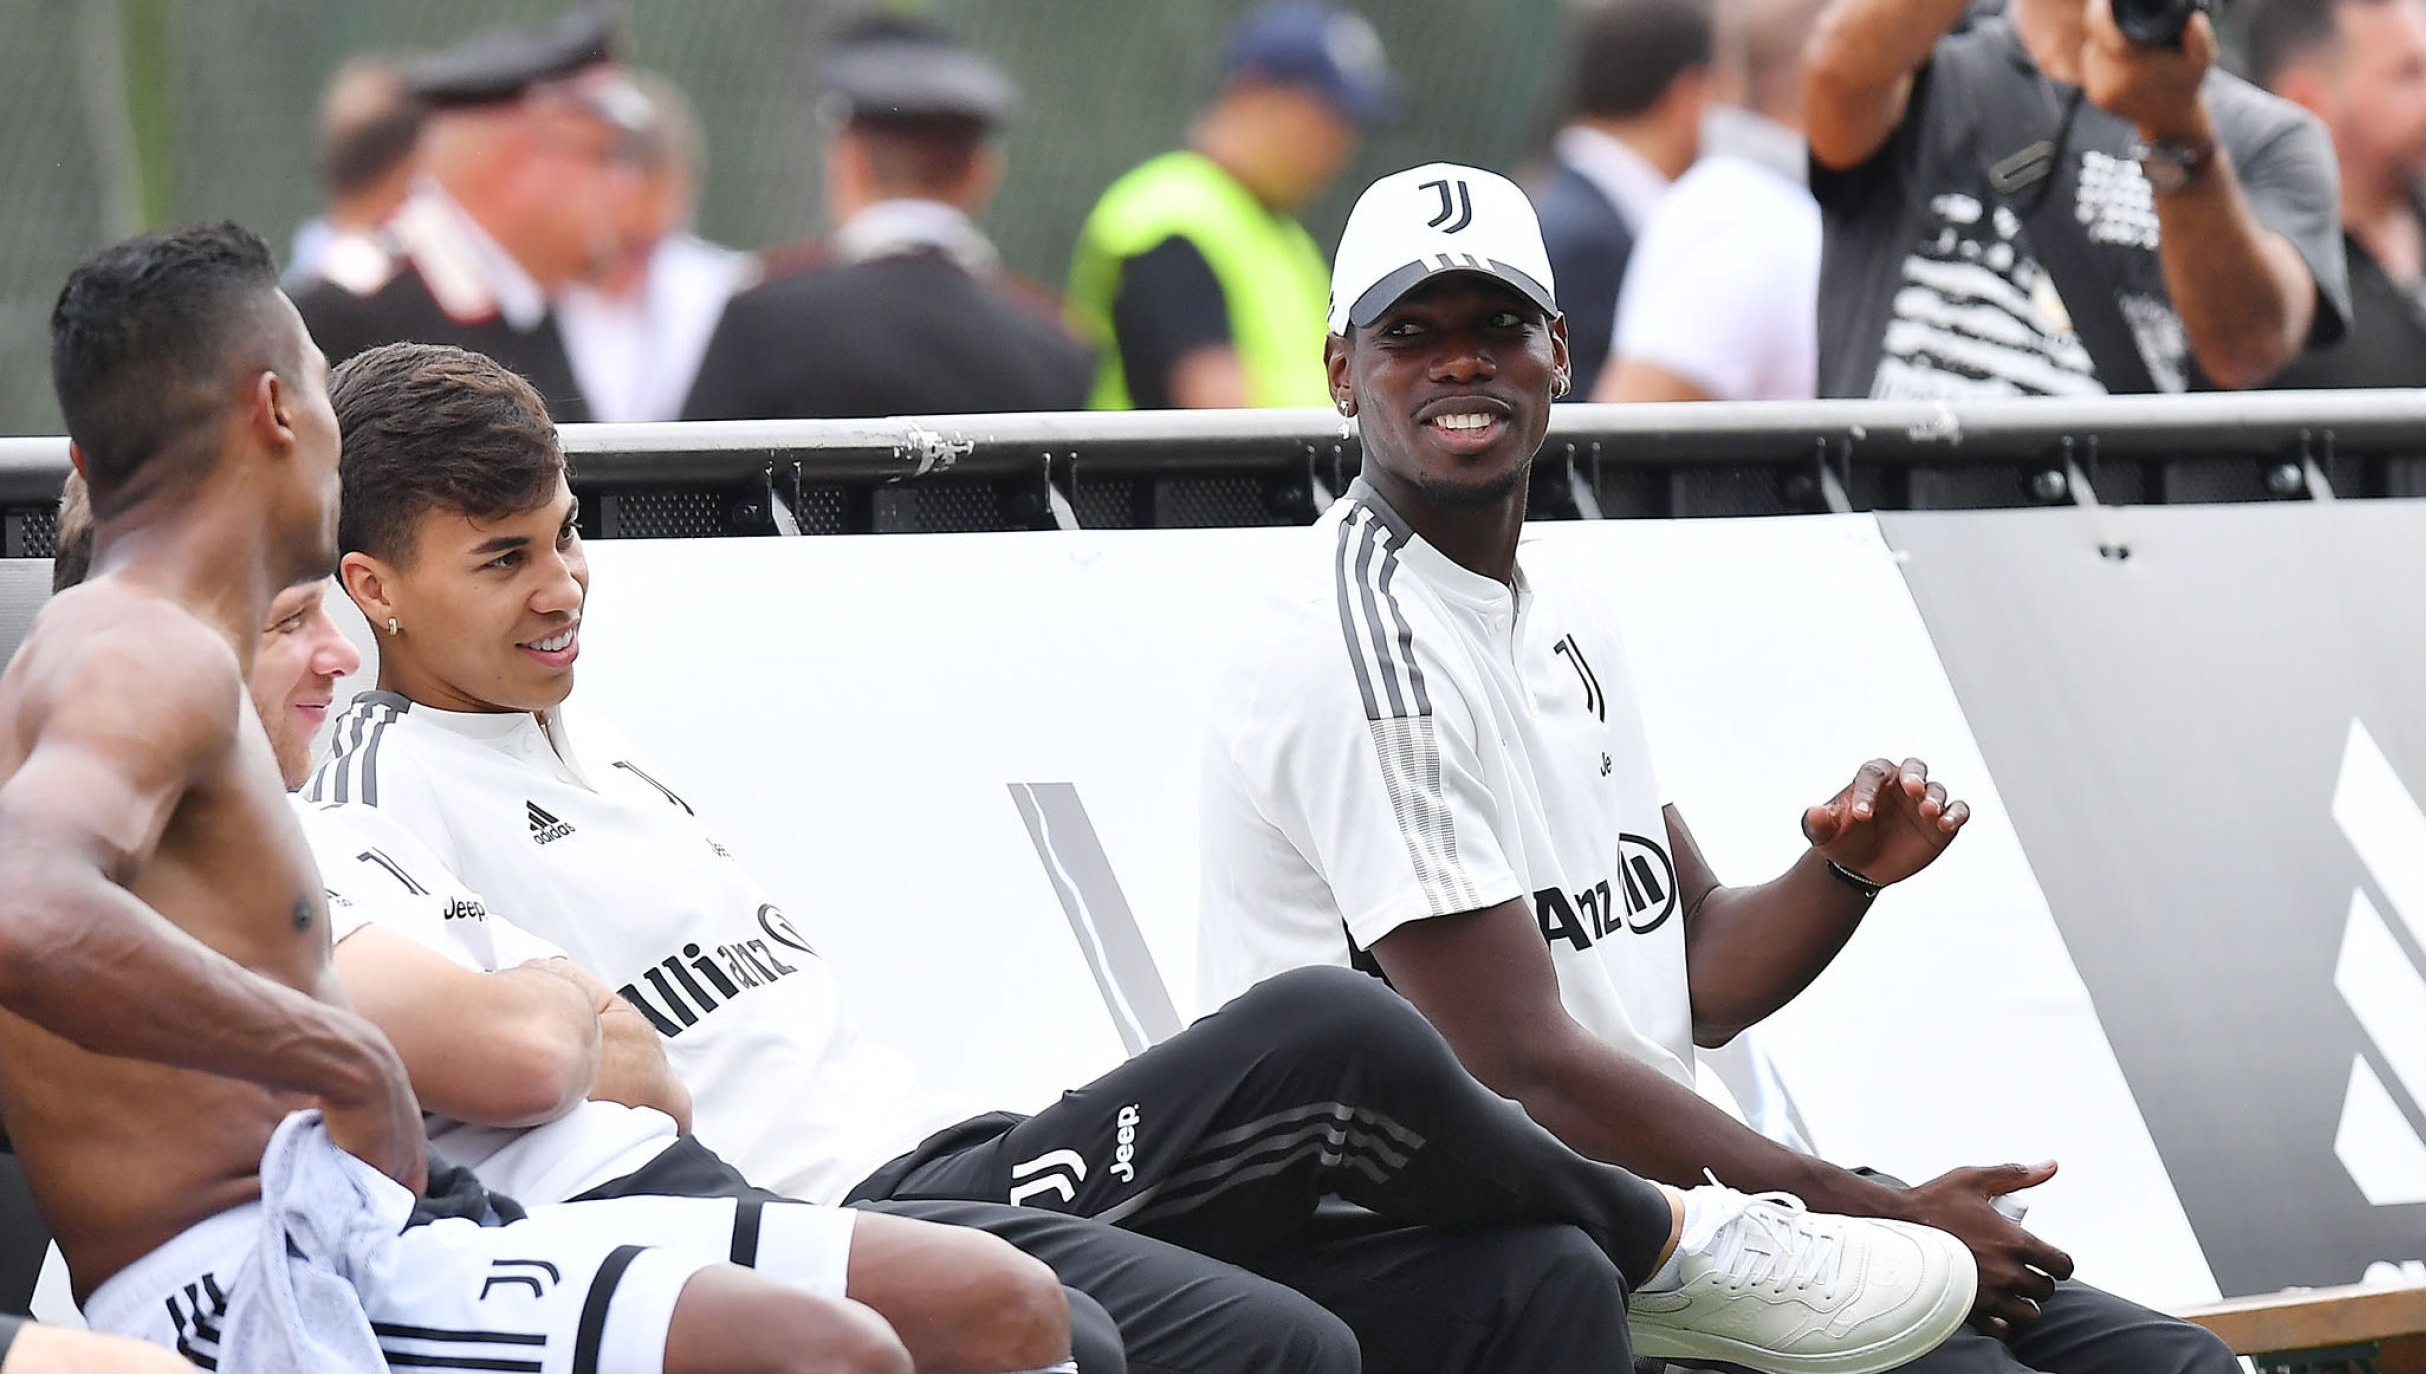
(1191, 277)
(523, 159)
(905, 309)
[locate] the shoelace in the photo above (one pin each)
(1756, 1239)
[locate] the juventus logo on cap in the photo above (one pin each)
(1462, 208)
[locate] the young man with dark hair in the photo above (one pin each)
(2360, 66)
(2042, 205)
(148, 860)
(1502, 1249)
(1429, 765)
(1638, 84)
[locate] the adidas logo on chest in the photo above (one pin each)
(545, 829)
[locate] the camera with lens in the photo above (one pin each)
(2156, 23)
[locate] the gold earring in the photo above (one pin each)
(392, 628)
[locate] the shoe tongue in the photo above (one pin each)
(1708, 1212)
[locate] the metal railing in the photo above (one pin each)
(1170, 468)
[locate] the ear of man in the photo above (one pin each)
(366, 581)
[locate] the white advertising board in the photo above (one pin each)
(854, 713)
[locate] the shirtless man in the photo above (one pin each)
(166, 996)
(546, 1084)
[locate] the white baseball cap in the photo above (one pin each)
(1427, 220)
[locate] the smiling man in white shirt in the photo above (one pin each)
(1429, 765)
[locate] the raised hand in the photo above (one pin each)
(1888, 823)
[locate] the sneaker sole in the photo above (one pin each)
(1943, 1320)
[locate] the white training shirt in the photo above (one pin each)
(377, 873)
(590, 851)
(1723, 287)
(1407, 739)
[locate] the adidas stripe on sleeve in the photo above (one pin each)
(1363, 751)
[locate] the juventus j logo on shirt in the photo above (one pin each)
(1460, 207)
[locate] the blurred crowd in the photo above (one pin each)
(1743, 199)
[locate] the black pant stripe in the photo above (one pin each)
(592, 1331)
(746, 1216)
(413, 1359)
(1219, 1143)
(431, 1333)
(1218, 1153)
(1338, 1132)
(1324, 1152)
(1161, 1199)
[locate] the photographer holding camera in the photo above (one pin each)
(2064, 199)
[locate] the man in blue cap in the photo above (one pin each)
(1191, 278)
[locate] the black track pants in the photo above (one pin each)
(1320, 1083)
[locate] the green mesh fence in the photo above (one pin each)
(118, 115)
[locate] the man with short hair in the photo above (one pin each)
(2043, 205)
(2360, 66)
(906, 308)
(523, 162)
(1428, 764)
(1638, 87)
(637, 333)
(1192, 279)
(1726, 305)
(1490, 1246)
(370, 136)
(148, 860)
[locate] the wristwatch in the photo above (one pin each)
(2171, 166)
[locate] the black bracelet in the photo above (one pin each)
(1856, 881)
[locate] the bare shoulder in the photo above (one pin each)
(112, 659)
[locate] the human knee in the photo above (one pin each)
(1559, 1266)
(2196, 1350)
(1341, 1006)
(733, 1321)
(1292, 1334)
(848, 1338)
(1020, 1317)
(1318, 1347)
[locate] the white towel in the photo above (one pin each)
(328, 1225)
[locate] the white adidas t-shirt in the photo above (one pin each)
(557, 825)
(377, 873)
(1407, 739)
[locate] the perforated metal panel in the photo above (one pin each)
(1109, 504)
(824, 510)
(1631, 493)
(29, 532)
(1976, 487)
(1731, 491)
(2214, 479)
(1209, 502)
(665, 515)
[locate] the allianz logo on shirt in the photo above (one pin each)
(2378, 1139)
(693, 981)
(1639, 902)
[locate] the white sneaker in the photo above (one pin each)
(1769, 1284)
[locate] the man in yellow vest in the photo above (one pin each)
(1191, 278)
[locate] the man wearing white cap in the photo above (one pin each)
(1430, 766)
